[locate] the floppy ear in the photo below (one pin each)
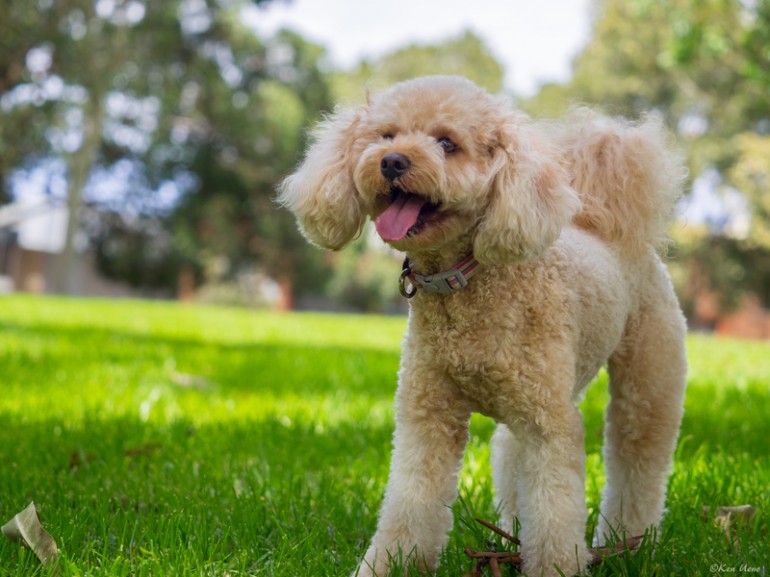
(321, 192)
(530, 198)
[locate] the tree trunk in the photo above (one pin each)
(286, 300)
(81, 162)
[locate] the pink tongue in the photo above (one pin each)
(399, 217)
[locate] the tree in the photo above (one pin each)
(66, 63)
(22, 128)
(179, 101)
(703, 64)
(247, 137)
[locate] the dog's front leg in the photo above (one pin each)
(428, 444)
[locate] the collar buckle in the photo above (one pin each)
(445, 282)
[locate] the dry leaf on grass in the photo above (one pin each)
(80, 458)
(729, 519)
(143, 450)
(25, 527)
(726, 517)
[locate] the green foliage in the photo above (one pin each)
(236, 118)
(177, 96)
(163, 439)
(751, 174)
(682, 57)
(703, 64)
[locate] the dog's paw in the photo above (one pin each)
(374, 564)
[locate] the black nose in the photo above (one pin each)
(394, 165)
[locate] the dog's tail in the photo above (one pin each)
(628, 176)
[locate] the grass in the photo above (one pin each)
(163, 439)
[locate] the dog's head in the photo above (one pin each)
(432, 160)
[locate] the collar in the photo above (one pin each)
(444, 283)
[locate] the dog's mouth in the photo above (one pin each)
(406, 216)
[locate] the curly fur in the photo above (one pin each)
(566, 219)
(322, 190)
(628, 177)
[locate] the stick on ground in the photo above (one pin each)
(493, 559)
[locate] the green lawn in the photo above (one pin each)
(163, 439)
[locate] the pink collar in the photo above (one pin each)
(444, 283)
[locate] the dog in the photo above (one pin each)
(533, 259)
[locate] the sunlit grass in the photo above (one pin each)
(164, 439)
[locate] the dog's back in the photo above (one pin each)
(628, 176)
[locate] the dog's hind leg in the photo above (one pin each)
(647, 383)
(505, 462)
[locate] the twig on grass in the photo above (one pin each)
(499, 531)
(493, 559)
(494, 566)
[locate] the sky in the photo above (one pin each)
(534, 40)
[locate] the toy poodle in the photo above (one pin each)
(531, 262)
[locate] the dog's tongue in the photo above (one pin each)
(399, 217)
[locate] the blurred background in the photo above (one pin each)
(141, 142)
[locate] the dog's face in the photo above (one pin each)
(430, 160)
(427, 160)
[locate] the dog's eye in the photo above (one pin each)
(388, 136)
(446, 143)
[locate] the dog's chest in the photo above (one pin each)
(466, 344)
